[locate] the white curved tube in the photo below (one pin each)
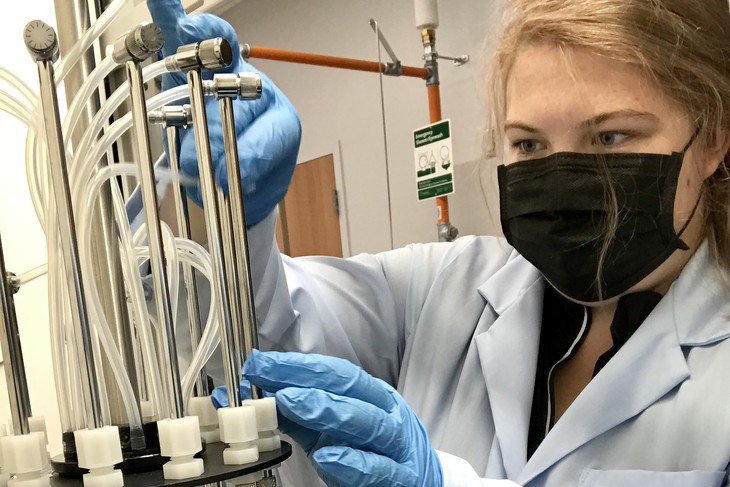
(91, 84)
(86, 40)
(20, 86)
(86, 160)
(113, 102)
(129, 268)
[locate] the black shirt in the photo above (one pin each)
(564, 326)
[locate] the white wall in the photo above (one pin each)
(23, 240)
(343, 105)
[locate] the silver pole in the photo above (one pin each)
(73, 18)
(231, 364)
(17, 383)
(239, 236)
(42, 43)
(183, 225)
(134, 47)
(211, 54)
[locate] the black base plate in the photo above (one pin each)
(215, 470)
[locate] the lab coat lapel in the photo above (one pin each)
(644, 370)
(508, 355)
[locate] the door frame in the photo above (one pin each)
(335, 148)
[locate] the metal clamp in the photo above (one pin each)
(244, 86)
(210, 54)
(458, 61)
(138, 44)
(447, 232)
(172, 116)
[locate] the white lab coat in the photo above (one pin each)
(455, 327)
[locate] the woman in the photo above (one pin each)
(592, 347)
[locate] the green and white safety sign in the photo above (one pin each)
(434, 161)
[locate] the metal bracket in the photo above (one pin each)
(13, 282)
(458, 61)
(394, 67)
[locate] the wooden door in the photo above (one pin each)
(309, 220)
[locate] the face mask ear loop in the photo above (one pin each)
(682, 245)
(691, 141)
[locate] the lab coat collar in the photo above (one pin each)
(650, 365)
(701, 307)
(646, 368)
(508, 354)
(507, 285)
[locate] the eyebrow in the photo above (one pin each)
(593, 121)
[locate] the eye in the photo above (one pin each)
(610, 139)
(528, 146)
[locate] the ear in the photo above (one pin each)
(713, 156)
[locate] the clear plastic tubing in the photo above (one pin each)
(91, 84)
(20, 85)
(31, 275)
(36, 170)
(136, 294)
(113, 102)
(58, 349)
(195, 255)
(85, 42)
(82, 170)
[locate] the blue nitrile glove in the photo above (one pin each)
(268, 130)
(378, 440)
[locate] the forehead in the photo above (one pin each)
(550, 86)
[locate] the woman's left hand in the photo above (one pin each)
(357, 430)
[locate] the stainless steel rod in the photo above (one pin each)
(183, 225)
(242, 257)
(69, 242)
(14, 365)
(234, 290)
(213, 224)
(154, 235)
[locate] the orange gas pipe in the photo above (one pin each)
(259, 52)
(434, 111)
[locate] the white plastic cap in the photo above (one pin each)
(104, 477)
(427, 14)
(266, 418)
(147, 410)
(203, 408)
(179, 437)
(36, 479)
(180, 440)
(239, 430)
(37, 424)
(24, 453)
(99, 447)
(238, 425)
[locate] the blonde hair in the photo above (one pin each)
(684, 45)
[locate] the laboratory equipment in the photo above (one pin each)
(66, 181)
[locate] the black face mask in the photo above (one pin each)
(553, 211)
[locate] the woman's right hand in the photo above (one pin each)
(268, 130)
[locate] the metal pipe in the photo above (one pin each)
(134, 47)
(260, 52)
(213, 225)
(233, 287)
(42, 43)
(74, 17)
(211, 54)
(14, 365)
(242, 259)
(446, 231)
(183, 225)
